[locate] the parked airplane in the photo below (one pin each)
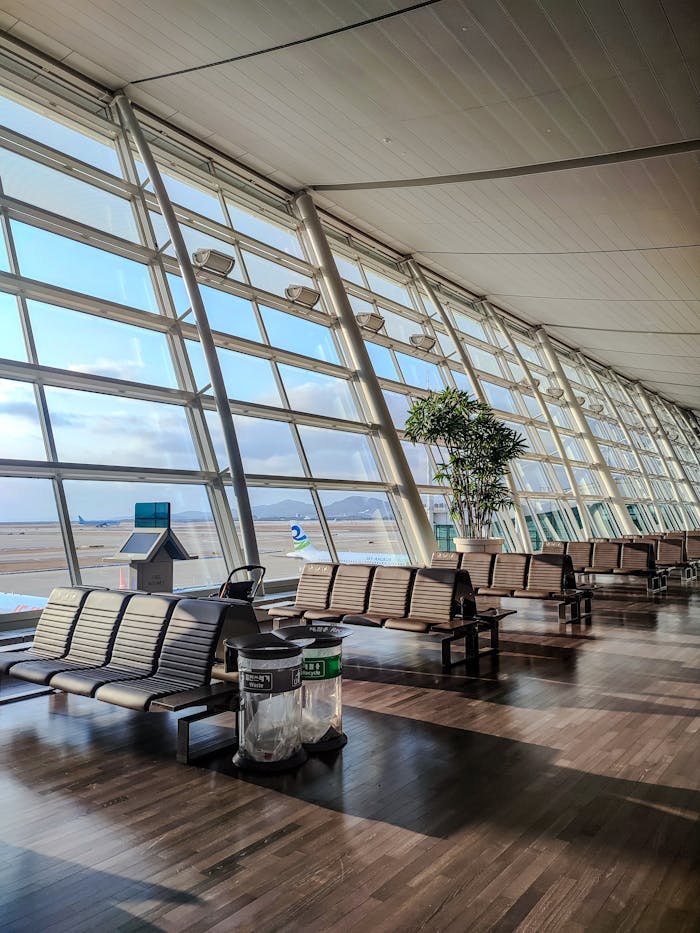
(99, 523)
(306, 551)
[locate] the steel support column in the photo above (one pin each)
(240, 489)
(417, 519)
(469, 371)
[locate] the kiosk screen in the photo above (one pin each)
(139, 543)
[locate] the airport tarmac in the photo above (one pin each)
(32, 559)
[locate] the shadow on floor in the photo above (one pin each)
(39, 891)
(437, 780)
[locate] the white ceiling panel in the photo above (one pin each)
(606, 257)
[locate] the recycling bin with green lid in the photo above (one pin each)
(322, 709)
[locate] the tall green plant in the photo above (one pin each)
(479, 450)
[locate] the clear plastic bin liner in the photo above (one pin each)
(322, 693)
(269, 723)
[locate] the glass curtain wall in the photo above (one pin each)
(105, 397)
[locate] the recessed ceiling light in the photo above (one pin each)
(386, 139)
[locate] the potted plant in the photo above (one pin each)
(478, 449)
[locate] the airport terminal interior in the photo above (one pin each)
(241, 241)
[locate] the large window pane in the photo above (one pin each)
(398, 408)
(275, 511)
(419, 462)
(383, 286)
(420, 373)
(363, 527)
(197, 199)
(552, 518)
(348, 270)
(104, 347)
(191, 520)
(57, 260)
(267, 447)
(282, 238)
(92, 428)
(338, 454)
(499, 397)
(272, 277)
(20, 431)
(247, 378)
(11, 337)
(318, 393)
(58, 136)
(32, 559)
(484, 361)
(227, 313)
(395, 325)
(530, 476)
(59, 193)
(469, 326)
(299, 336)
(382, 361)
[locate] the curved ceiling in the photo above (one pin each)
(606, 256)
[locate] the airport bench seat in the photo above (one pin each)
(389, 594)
(91, 641)
(136, 647)
(53, 631)
(186, 658)
(438, 596)
(349, 591)
(313, 592)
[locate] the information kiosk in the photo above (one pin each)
(151, 549)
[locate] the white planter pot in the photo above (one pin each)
(478, 545)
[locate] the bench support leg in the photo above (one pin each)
(184, 755)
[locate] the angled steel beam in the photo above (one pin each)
(240, 489)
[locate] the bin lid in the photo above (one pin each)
(315, 636)
(259, 647)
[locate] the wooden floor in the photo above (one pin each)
(559, 793)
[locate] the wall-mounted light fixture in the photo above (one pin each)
(211, 260)
(422, 341)
(370, 320)
(302, 295)
(554, 391)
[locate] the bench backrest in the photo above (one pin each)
(315, 585)
(190, 641)
(554, 547)
(510, 571)
(449, 559)
(639, 555)
(141, 632)
(670, 551)
(96, 628)
(478, 566)
(390, 591)
(605, 554)
(436, 593)
(580, 554)
(693, 546)
(548, 573)
(57, 620)
(350, 587)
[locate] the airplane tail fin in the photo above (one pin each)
(303, 548)
(81, 520)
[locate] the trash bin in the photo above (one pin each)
(269, 714)
(322, 702)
